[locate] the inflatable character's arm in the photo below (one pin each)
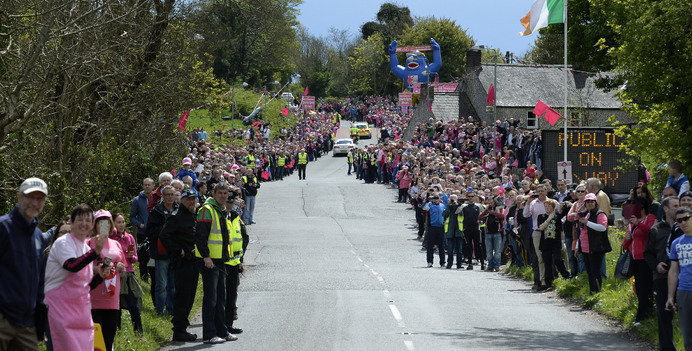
(437, 57)
(394, 61)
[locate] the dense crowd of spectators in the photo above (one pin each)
(477, 191)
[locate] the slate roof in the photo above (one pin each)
(524, 85)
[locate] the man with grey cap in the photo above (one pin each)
(21, 259)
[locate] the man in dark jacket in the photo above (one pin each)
(138, 218)
(164, 280)
(656, 251)
(178, 237)
(21, 259)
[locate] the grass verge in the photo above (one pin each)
(616, 300)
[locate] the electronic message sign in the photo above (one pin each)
(594, 153)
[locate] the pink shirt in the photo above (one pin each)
(106, 296)
(125, 240)
(584, 233)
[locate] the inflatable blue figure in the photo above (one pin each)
(416, 65)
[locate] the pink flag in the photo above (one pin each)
(305, 93)
(540, 108)
(436, 79)
(284, 111)
(491, 95)
(183, 120)
(551, 116)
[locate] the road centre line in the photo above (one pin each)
(409, 345)
(397, 315)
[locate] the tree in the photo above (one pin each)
(392, 22)
(312, 63)
(91, 96)
(654, 54)
(365, 64)
(250, 40)
(454, 43)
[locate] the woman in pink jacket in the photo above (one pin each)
(69, 277)
(130, 289)
(635, 241)
(105, 298)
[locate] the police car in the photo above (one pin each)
(363, 130)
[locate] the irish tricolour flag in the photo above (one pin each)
(543, 13)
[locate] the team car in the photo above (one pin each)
(343, 146)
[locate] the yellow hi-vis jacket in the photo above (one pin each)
(281, 161)
(236, 240)
(302, 158)
(215, 240)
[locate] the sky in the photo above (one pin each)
(493, 23)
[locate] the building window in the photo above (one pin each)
(531, 121)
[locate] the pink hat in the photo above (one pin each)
(590, 197)
(498, 121)
(226, 174)
(102, 214)
(187, 161)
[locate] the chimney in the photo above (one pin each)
(473, 59)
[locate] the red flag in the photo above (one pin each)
(491, 95)
(435, 79)
(429, 105)
(551, 116)
(408, 80)
(183, 120)
(284, 111)
(540, 108)
(305, 93)
(223, 127)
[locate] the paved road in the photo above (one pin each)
(334, 265)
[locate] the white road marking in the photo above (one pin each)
(366, 266)
(397, 315)
(380, 279)
(387, 294)
(359, 259)
(373, 272)
(409, 345)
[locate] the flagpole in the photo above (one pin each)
(565, 85)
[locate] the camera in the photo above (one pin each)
(106, 262)
(583, 214)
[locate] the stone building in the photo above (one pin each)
(519, 87)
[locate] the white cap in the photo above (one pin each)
(33, 184)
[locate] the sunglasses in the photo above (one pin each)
(683, 219)
(581, 191)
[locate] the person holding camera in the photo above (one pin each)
(454, 226)
(436, 229)
(105, 298)
(637, 234)
(493, 219)
(69, 278)
(593, 241)
(534, 209)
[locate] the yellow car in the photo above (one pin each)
(363, 130)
